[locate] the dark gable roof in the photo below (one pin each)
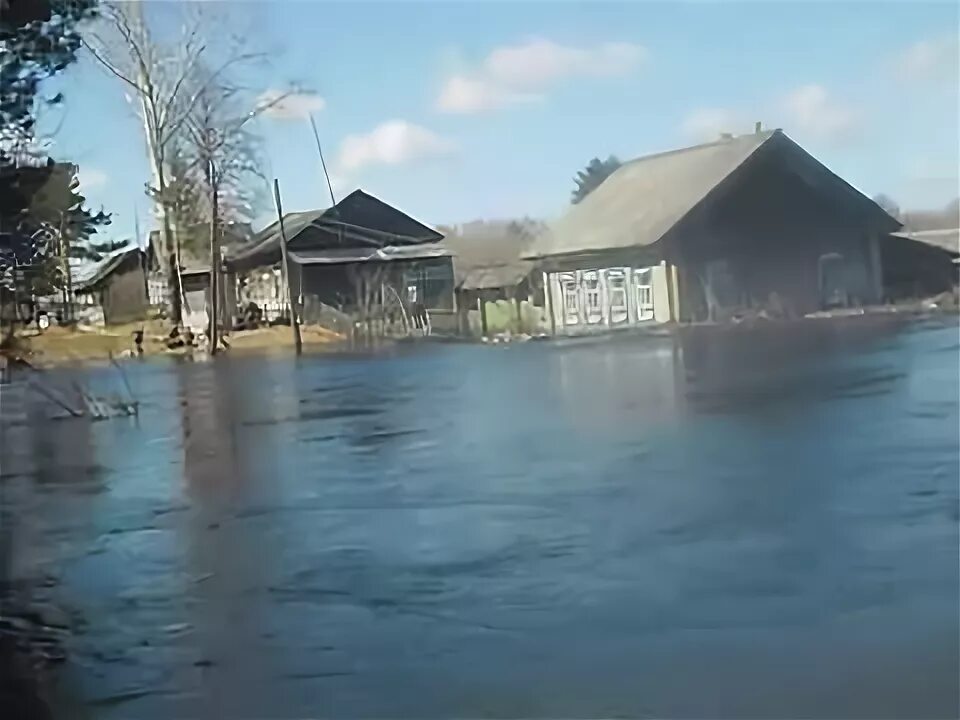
(361, 211)
(358, 221)
(645, 198)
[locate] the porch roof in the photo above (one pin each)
(387, 253)
(493, 277)
(948, 239)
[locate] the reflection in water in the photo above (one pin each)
(579, 528)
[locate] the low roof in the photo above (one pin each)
(494, 277)
(645, 198)
(340, 256)
(487, 255)
(948, 239)
(86, 277)
(359, 220)
(264, 247)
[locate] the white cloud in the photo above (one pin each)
(525, 72)
(708, 123)
(394, 142)
(91, 178)
(810, 110)
(294, 106)
(929, 59)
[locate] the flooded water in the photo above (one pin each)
(735, 524)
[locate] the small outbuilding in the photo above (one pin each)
(919, 264)
(117, 285)
(495, 286)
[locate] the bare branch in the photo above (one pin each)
(190, 62)
(175, 125)
(110, 66)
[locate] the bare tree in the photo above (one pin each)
(158, 76)
(222, 156)
(888, 205)
(946, 218)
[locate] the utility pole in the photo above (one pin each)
(285, 272)
(67, 287)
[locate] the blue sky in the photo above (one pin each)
(455, 111)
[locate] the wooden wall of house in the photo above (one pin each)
(334, 285)
(123, 294)
(775, 240)
(912, 269)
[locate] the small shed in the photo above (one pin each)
(118, 284)
(496, 289)
(920, 263)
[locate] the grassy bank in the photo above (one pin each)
(57, 345)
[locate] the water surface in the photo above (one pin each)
(733, 524)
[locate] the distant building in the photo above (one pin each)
(195, 273)
(117, 285)
(744, 225)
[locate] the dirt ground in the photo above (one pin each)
(280, 339)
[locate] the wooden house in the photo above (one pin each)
(358, 254)
(745, 225)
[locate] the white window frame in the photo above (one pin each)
(592, 296)
(569, 291)
(643, 293)
(618, 295)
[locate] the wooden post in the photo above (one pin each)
(675, 288)
(548, 288)
(516, 299)
(876, 268)
(65, 260)
(483, 314)
(294, 323)
(214, 260)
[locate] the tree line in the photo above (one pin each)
(194, 106)
(44, 218)
(945, 218)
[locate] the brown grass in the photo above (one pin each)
(59, 345)
(280, 339)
